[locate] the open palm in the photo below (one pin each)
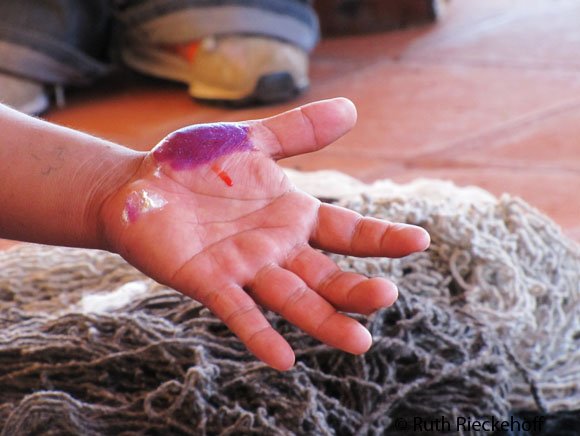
(229, 230)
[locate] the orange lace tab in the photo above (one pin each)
(186, 51)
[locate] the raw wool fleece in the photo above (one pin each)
(487, 322)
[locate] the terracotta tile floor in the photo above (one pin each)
(489, 96)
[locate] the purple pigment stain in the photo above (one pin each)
(196, 145)
(132, 208)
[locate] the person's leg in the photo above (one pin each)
(250, 50)
(57, 42)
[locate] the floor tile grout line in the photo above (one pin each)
(465, 164)
(480, 63)
(493, 164)
(414, 62)
(492, 20)
(498, 131)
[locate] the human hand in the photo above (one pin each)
(210, 214)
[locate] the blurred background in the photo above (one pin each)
(479, 92)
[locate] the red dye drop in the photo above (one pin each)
(222, 175)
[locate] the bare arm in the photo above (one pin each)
(53, 180)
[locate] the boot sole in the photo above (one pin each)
(270, 88)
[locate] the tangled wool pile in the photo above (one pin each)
(488, 321)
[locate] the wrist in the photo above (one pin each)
(110, 181)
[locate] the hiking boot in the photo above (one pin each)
(236, 70)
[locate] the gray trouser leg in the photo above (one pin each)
(65, 41)
(177, 21)
(54, 41)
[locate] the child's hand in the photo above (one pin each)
(210, 214)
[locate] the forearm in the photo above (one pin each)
(53, 181)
